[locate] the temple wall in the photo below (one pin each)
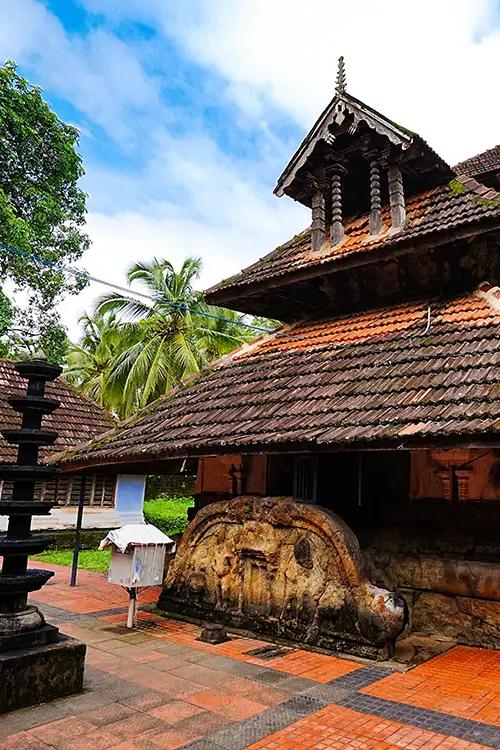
(479, 479)
(431, 533)
(440, 547)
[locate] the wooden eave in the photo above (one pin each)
(230, 296)
(171, 462)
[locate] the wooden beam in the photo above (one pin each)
(396, 197)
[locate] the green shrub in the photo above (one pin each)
(168, 514)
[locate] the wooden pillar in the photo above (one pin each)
(69, 491)
(396, 197)
(337, 228)
(318, 220)
(92, 490)
(375, 202)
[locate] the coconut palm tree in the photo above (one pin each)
(90, 362)
(170, 337)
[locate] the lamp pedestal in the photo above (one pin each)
(37, 663)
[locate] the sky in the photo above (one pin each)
(188, 110)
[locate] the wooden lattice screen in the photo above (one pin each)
(99, 490)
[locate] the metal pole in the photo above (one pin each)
(132, 608)
(79, 520)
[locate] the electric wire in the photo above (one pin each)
(181, 306)
(88, 277)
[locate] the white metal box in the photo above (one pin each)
(137, 555)
(138, 567)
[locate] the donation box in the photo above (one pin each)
(137, 555)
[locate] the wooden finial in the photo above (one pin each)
(341, 80)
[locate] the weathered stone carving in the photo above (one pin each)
(280, 567)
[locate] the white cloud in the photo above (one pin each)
(96, 72)
(431, 66)
(223, 216)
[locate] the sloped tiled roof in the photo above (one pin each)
(487, 161)
(78, 419)
(381, 377)
(460, 205)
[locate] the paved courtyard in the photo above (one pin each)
(160, 687)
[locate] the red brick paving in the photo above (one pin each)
(158, 688)
(464, 682)
(300, 663)
(92, 594)
(337, 728)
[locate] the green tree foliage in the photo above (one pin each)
(134, 351)
(42, 210)
(90, 363)
(6, 317)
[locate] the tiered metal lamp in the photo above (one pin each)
(37, 663)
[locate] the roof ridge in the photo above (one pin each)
(474, 186)
(490, 293)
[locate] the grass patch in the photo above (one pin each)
(88, 559)
(168, 514)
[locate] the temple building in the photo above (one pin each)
(378, 398)
(109, 497)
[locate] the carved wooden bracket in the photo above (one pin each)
(396, 197)
(450, 460)
(318, 220)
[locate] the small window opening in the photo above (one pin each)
(305, 478)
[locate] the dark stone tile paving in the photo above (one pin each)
(361, 678)
(243, 733)
(343, 692)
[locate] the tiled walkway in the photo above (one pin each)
(161, 688)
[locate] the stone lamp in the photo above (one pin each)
(37, 663)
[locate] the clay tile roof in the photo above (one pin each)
(460, 205)
(379, 377)
(77, 419)
(487, 161)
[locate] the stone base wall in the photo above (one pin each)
(466, 620)
(447, 596)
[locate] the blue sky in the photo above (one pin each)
(189, 109)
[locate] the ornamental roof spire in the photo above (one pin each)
(341, 78)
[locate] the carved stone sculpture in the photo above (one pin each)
(280, 567)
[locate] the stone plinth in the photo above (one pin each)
(37, 675)
(280, 567)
